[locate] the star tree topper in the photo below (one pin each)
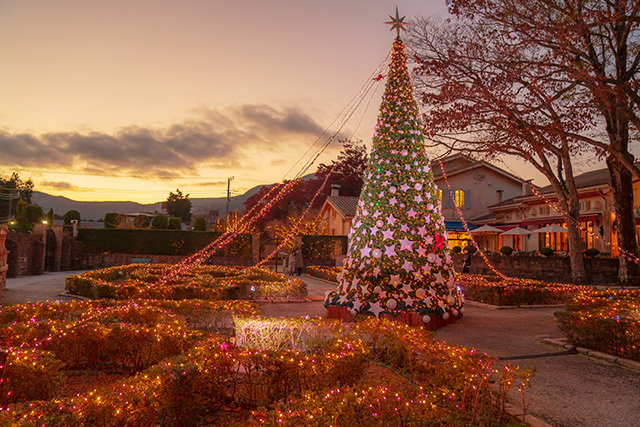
(397, 23)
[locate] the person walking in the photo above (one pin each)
(299, 261)
(291, 267)
(466, 265)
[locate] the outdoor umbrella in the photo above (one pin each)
(486, 229)
(515, 231)
(553, 228)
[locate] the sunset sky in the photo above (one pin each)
(131, 99)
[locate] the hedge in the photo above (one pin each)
(157, 242)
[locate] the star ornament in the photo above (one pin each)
(397, 23)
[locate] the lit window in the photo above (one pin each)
(459, 197)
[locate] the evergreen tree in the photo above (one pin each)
(179, 205)
(398, 258)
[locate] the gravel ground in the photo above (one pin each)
(569, 390)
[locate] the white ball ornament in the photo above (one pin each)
(379, 223)
(420, 293)
(377, 253)
(339, 277)
(392, 189)
(418, 186)
(451, 300)
(426, 318)
(392, 304)
(454, 312)
(461, 310)
(431, 257)
(354, 311)
(445, 315)
(377, 289)
(404, 152)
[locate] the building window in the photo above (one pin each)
(440, 196)
(518, 215)
(507, 215)
(585, 205)
(544, 210)
(459, 198)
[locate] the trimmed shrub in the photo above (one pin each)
(200, 224)
(158, 242)
(175, 223)
(111, 220)
(70, 216)
(159, 222)
(506, 250)
(142, 221)
(471, 249)
(456, 250)
(547, 251)
(591, 252)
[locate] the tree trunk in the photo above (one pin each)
(622, 183)
(578, 273)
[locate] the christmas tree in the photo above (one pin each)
(398, 260)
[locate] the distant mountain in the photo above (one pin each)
(96, 210)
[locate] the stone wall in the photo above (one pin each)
(3, 263)
(26, 254)
(89, 261)
(600, 271)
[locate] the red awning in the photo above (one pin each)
(559, 220)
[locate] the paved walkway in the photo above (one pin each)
(569, 390)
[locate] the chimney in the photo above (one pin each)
(499, 195)
(335, 190)
(526, 187)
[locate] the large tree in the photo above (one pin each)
(546, 80)
(179, 205)
(11, 190)
(346, 171)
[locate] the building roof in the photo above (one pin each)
(587, 179)
(596, 178)
(459, 163)
(344, 205)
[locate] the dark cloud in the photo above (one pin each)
(59, 185)
(211, 139)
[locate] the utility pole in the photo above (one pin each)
(228, 194)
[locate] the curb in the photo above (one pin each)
(627, 363)
(529, 420)
(508, 307)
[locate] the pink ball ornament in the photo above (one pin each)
(454, 312)
(420, 293)
(377, 289)
(451, 300)
(392, 189)
(426, 318)
(462, 310)
(445, 315)
(379, 223)
(377, 253)
(392, 304)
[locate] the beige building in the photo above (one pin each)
(471, 183)
(532, 212)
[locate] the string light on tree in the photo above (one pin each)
(398, 258)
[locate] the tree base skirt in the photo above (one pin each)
(410, 318)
